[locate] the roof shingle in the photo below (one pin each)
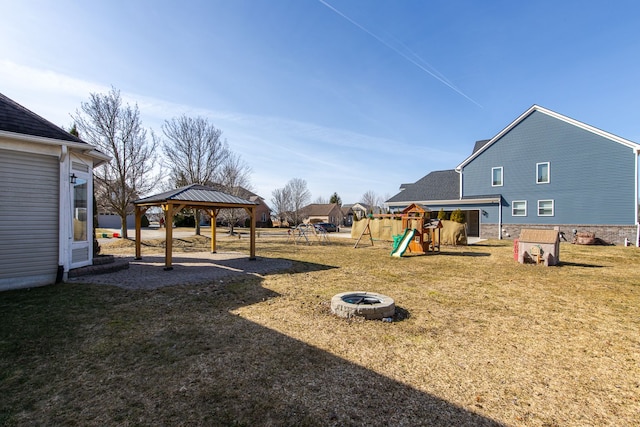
(17, 119)
(437, 185)
(195, 193)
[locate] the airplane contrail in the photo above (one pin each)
(435, 74)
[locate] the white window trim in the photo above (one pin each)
(548, 173)
(513, 207)
(501, 176)
(553, 207)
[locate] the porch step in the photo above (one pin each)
(101, 265)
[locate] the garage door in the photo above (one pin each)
(28, 219)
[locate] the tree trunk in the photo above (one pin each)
(123, 225)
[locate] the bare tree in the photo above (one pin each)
(299, 194)
(371, 201)
(281, 203)
(116, 129)
(234, 179)
(195, 152)
(321, 201)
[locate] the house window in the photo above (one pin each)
(519, 208)
(264, 217)
(496, 177)
(80, 197)
(545, 207)
(542, 173)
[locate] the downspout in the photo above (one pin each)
(500, 218)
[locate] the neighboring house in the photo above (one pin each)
(112, 220)
(358, 210)
(46, 194)
(543, 170)
(316, 212)
(263, 211)
(347, 216)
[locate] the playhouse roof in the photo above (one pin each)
(414, 207)
(539, 236)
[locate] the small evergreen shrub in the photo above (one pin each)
(457, 216)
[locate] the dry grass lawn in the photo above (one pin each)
(481, 340)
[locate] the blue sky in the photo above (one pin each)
(349, 95)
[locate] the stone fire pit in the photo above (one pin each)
(369, 305)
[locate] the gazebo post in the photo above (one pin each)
(139, 212)
(168, 226)
(252, 247)
(213, 213)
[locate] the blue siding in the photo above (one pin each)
(591, 177)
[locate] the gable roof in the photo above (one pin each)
(479, 144)
(437, 185)
(539, 236)
(479, 150)
(320, 209)
(195, 193)
(17, 119)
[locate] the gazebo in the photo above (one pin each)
(198, 197)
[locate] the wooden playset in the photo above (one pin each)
(424, 238)
(425, 235)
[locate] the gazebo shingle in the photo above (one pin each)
(195, 193)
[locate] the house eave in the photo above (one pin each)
(447, 202)
(83, 147)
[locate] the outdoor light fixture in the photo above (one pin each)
(73, 178)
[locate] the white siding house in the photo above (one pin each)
(46, 199)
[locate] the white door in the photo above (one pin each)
(81, 216)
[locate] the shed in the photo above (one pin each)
(539, 246)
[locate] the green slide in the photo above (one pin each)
(404, 242)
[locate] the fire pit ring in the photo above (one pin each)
(369, 305)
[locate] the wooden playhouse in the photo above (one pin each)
(424, 240)
(538, 247)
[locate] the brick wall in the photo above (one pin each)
(609, 233)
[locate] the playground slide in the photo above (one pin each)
(404, 242)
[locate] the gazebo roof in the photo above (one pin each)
(195, 193)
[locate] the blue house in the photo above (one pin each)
(544, 170)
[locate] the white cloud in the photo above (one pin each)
(277, 149)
